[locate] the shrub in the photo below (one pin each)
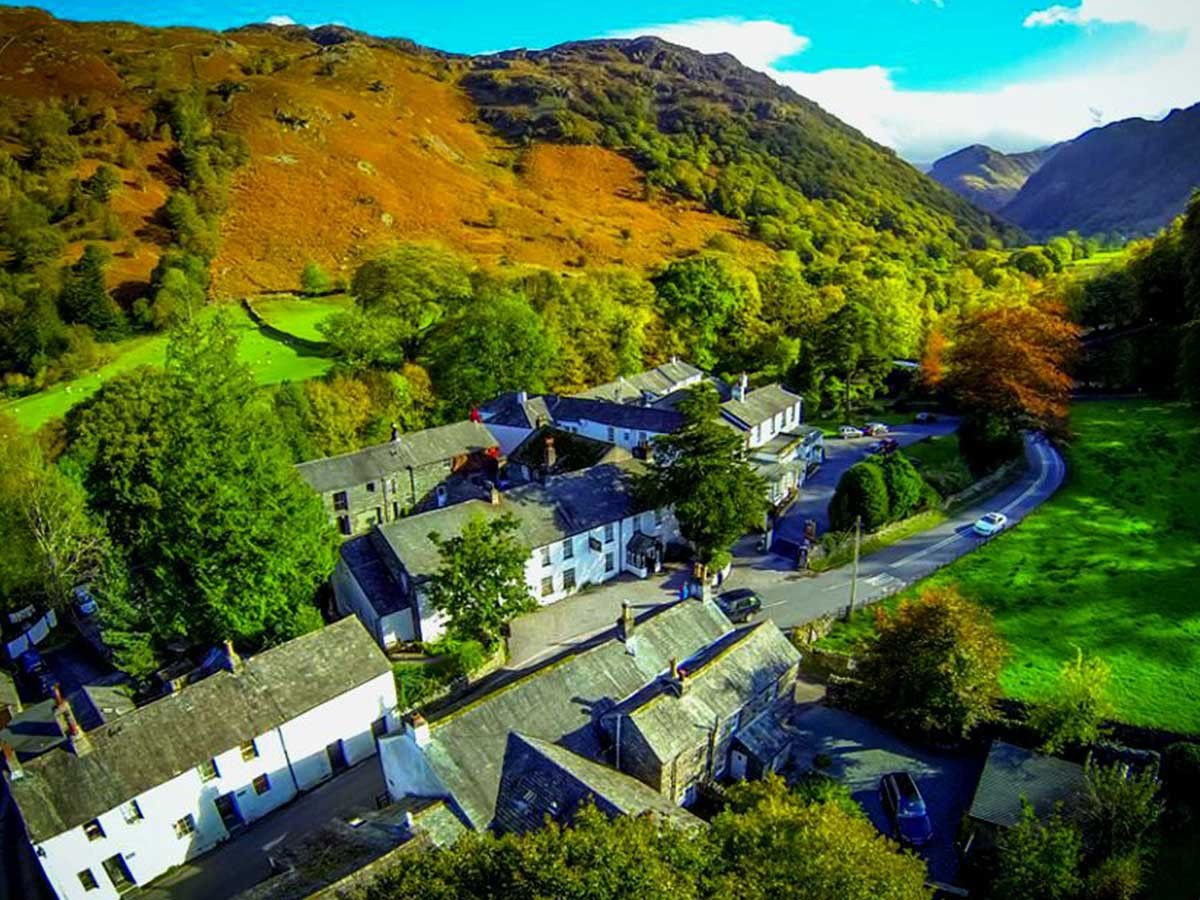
(907, 491)
(1118, 810)
(988, 441)
(1182, 765)
(1075, 708)
(314, 279)
(863, 492)
(1116, 878)
(1038, 860)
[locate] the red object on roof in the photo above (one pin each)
(475, 417)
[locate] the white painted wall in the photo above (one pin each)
(393, 628)
(150, 845)
(406, 771)
(629, 438)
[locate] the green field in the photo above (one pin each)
(1098, 261)
(1110, 564)
(271, 360)
(301, 315)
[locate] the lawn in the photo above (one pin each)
(271, 361)
(301, 315)
(1110, 564)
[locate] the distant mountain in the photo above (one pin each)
(1130, 177)
(987, 177)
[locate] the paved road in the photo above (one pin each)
(242, 862)
(840, 455)
(789, 597)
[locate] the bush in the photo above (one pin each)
(907, 491)
(988, 442)
(1116, 878)
(1182, 765)
(863, 492)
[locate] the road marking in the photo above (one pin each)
(1036, 486)
(933, 548)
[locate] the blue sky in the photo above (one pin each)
(923, 76)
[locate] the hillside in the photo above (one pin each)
(1130, 177)
(627, 152)
(987, 177)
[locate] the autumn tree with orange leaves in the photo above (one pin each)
(1011, 362)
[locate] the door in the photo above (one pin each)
(337, 757)
(227, 809)
(737, 765)
(118, 873)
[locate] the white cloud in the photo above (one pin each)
(757, 43)
(281, 20)
(922, 125)
(1157, 15)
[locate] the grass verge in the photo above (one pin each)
(884, 537)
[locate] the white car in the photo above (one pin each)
(989, 524)
(874, 429)
(849, 431)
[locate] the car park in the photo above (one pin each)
(990, 524)
(905, 807)
(849, 431)
(739, 605)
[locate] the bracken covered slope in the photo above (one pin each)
(588, 154)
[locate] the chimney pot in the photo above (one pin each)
(65, 717)
(419, 730)
(627, 621)
(495, 496)
(522, 397)
(551, 452)
(395, 432)
(674, 668)
(10, 760)
(233, 662)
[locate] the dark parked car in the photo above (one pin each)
(906, 808)
(36, 674)
(739, 605)
(925, 417)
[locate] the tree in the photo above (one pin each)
(861, 493)
(365, 341)
(906, 489)
(704, 298)
(701, 472)
(418, 283)
(933, 360)
(500, 345)
(1074, 710)
(102, 183)
(1032, 261)
(314, 279)
(480, 584)
(771, 842)
(1039, 860)
(934, 667)
(222, 538)
(339, 410)
(85, 298)
(49, 543)
(1011, 361)
(988, 440)
(1118, 809)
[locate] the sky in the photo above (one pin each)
(924, 77)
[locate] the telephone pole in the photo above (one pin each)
(854, 576)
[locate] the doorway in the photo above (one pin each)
(119, 874)
(227, 809)
(337, 757)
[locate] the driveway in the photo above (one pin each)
(840, 455)
(863, 752)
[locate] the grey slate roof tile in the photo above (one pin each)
(1013, 772)
(760, 404)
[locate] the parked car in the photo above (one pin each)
(925, 417)
(874, 429)
(876, 447)
(889, 445)
(989, 524)
(739, 605)
(85, 602)
(905, 806)
(38, 679)
(849, 431)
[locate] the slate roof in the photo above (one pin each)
(416, 449)
(720, 680)
(163, 739)
(509, 409)
(760, 404)
(362, 557)
(561, 703)
(543, 780)
(659, 381)
(564, 505)
(630, 416)
(1012, 773)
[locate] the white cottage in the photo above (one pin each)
(170, 780)
(583, 527)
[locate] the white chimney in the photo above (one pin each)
(418, 730)
(440, 495)
(522, 397)
(739, 392)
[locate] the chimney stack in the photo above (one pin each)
(418, 729)
(395, 432)
(11, 763)
(495, 495)
(740, 391)
(65, 717)
(674, 669)
(522, 397)
(233, 662)
(627, 622)
(551, 453)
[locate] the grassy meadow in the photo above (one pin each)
(271, 360)
(300, 316)
(1109, 564)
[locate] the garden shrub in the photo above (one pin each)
(861, 491)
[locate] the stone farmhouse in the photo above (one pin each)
(584, 528)
(156, 786)
(412, 471)
(637, 724)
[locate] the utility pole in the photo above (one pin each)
(854, 576)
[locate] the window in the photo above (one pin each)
(118, 873)
(209, 770)
(395, 509)
(648, 521)
(610, 561)
(790, 413)
(88, 880)
(608, 533)
(379, 727)
(344, 525)
(262, 784)
(370, 487)
(379, 515)
(569, 580)
(547, 585)
(249, 750)
(611, 435)
(545, 556)
(569, 548)
(133, 812)
(185, 826)
(94, 830)
(340, 501)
